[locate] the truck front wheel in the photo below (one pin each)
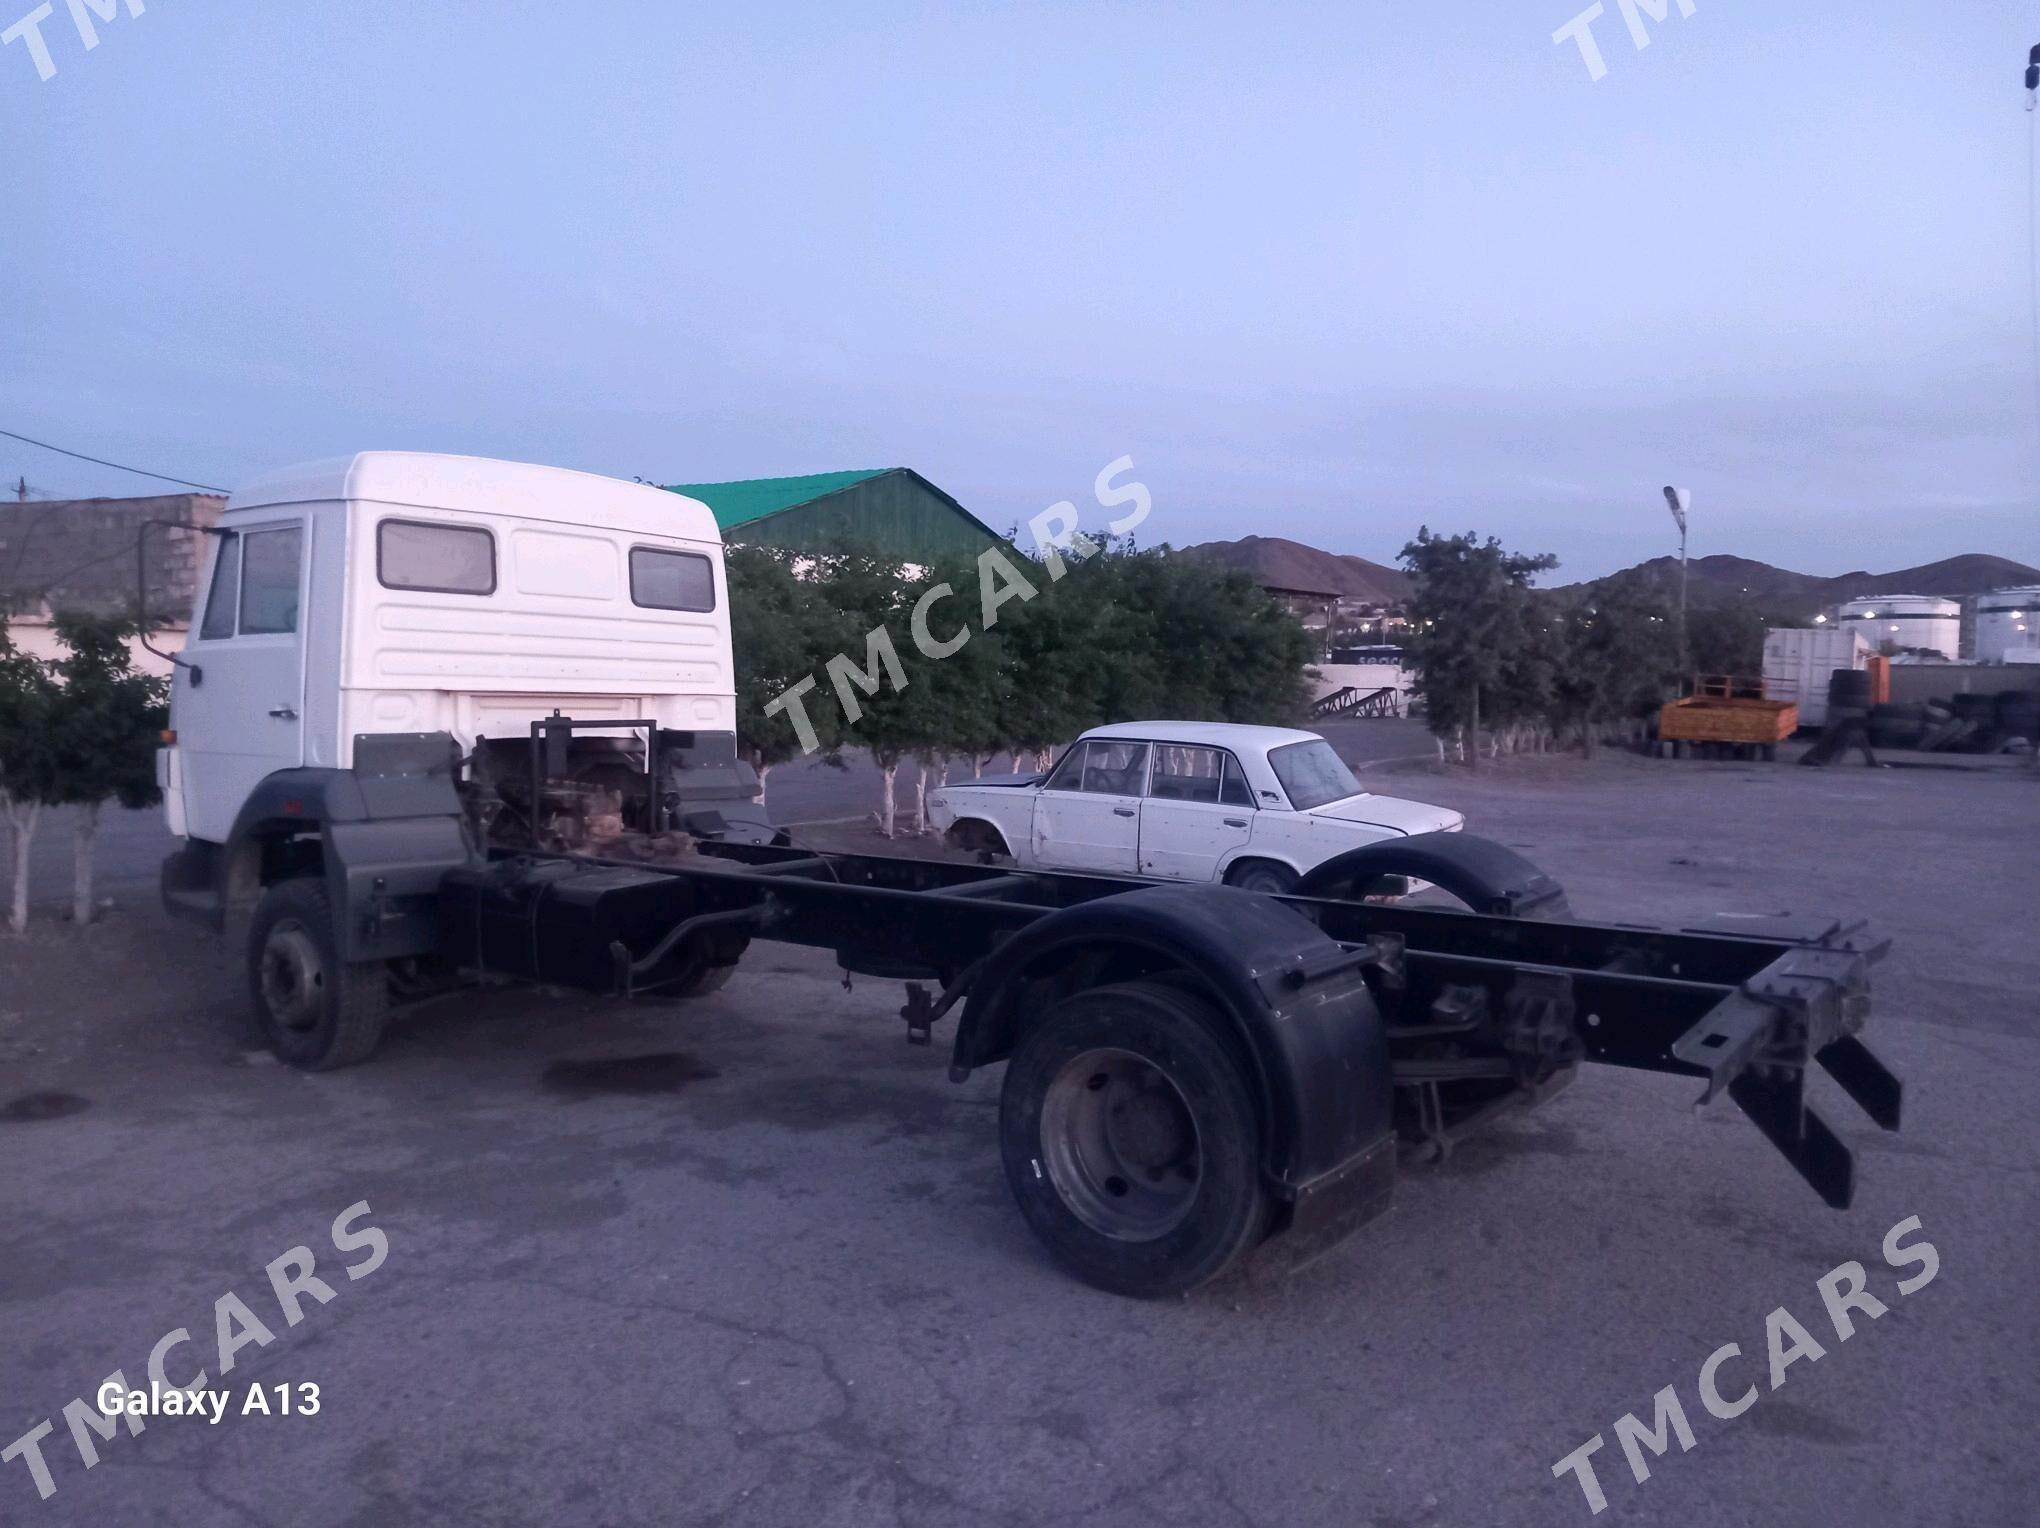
(317, 1011)
(1131, 1140)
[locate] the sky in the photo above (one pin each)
(1324, 272)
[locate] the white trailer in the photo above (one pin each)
(1799, 660)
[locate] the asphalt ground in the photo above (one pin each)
(751, 1260)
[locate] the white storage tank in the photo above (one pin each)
(2007, 621)
(1898, 622)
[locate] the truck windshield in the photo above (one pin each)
(1312, 774)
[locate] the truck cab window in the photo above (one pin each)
(662, 580)
(435, 559)
(269, 581)
(225, 593)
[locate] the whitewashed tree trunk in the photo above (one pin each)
(977, 765)
(22, 817)
(763, 771)
(921, 799)
(83, 908)
(888, 774)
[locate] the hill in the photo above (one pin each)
(1805, 593)
(1278, 564)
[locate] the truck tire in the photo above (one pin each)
(316, 1011)
(1132, 1142)
(1263, 876)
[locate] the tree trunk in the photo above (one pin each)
(977, 765)
(887, 774)
(22, 816)
(83, 909)
(921, 798)
(763, 771)
(1473, 729)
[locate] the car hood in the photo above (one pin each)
(1394, 813)
(1009, 781)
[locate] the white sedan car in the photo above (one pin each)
(1255, 807)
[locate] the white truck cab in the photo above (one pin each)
(403, 593)
(401, 661)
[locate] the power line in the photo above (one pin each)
(117, 466)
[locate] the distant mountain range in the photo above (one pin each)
(1278, 564)
(1803, 594)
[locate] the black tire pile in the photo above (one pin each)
(2008, 721)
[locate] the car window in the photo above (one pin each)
(1312, 774)
(437, 559)
(269, 581)
(1184, 773)
(1234, 791)
(1114, 768)
(225, 593)
(1068, 774)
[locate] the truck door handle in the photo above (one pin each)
(1122, 811)
(1236, 822)
(283, 713)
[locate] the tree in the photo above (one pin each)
(108, 719)
(1471, 617)
(781, 633)
(1620, 657)
(28, 761)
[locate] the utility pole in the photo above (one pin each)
(1679, 500)
(21, 491)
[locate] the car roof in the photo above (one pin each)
(1213, 734)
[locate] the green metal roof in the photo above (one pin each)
(749, 499)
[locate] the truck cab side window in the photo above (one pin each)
(269, 581)
(225, 593)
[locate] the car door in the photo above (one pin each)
(1087, 814)
(236, 708)
(1197, 811)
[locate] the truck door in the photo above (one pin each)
(1198, 810)
(239, 720)
(1087, 815)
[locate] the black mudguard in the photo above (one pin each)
(392, 826)
(1488, 877)
(1298, 1008)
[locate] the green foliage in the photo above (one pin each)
(1617, 656)
(108, 718)
(1123, 634)
(1474, 628)
(29, 760)
(777, 625)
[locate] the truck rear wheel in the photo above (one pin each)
(1131, 1140)
(317, 1011)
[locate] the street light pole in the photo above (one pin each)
(1679, 500)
